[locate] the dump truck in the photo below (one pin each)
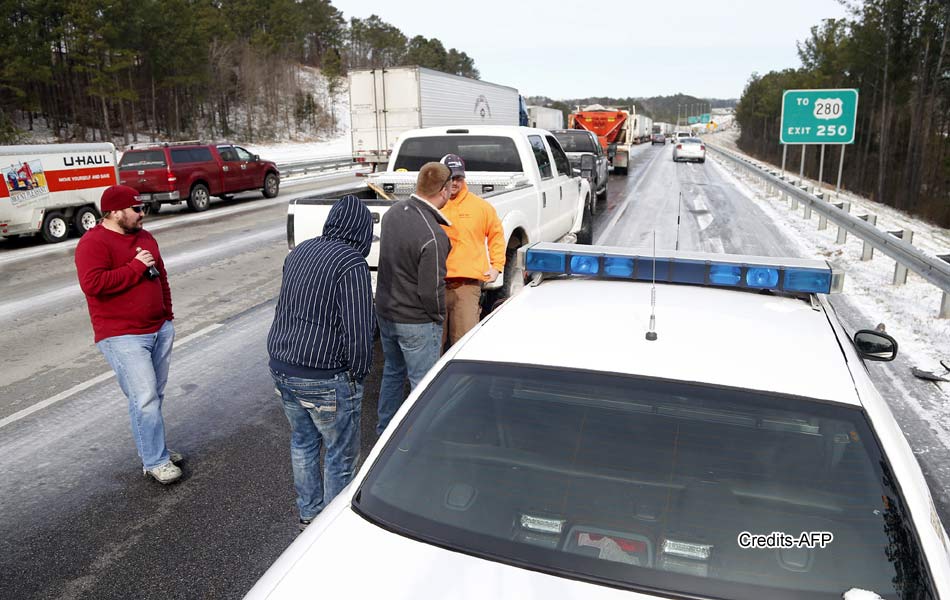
(612, 126)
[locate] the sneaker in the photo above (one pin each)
(176, 457)
(165, 474)
(304, 522)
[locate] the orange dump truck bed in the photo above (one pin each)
(606, 124)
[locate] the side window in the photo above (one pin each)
(541, 156)
(242, 153)
(560, 159)
(227, 153)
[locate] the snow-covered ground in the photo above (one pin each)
(908, 311)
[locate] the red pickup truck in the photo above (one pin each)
(192, 172)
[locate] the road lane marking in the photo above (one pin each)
(250, 205)
(10, 310)
(626, 202)
(95, 380)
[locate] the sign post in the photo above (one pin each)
(819, 117)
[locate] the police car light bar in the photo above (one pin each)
(792, 275)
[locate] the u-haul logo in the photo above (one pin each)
(86, 161)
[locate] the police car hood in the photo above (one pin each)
(359, 559)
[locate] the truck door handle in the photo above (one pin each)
(561, 189)
(544, 200)
(375, 217)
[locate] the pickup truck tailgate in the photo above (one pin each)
(306, 216)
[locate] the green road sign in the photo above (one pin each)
(704, 118)
(692, 120)
(819, 116)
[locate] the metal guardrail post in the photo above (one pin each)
(900, 271)
(895, 245)
(867, 252)
(806, 213)
(842, 232)
(945, 301)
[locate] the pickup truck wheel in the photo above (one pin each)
(511, 255)
(85, 219)
(271, 185)
(586, 233)
(55, 227)
(199, 199)
(152, 208)
(601, 196)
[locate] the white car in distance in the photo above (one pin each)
(707, 430)
(689, 148)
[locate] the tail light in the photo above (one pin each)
(703, 148)
(172, 180)
(360, 159)
(679, 146)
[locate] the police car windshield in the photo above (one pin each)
(647, 484)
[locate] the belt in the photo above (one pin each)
(455, 282)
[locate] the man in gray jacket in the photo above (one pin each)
(410, 287)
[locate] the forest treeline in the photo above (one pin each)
(895, 53)
(134, 69)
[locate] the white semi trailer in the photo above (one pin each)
(384, 103)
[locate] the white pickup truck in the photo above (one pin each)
(522, 172)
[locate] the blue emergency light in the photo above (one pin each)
(791, 275)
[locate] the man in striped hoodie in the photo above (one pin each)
(321, 349)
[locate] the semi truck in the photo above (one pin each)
(384, 103)
(49, 189)
(543, 117)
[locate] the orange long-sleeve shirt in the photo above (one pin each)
(474, 222)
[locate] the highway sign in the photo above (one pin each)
(819, 116)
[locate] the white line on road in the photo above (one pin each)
(27, 253)
(10, 310)
(626, 202)
(88, 384)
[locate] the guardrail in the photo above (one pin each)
(935, 269)
(306, 167)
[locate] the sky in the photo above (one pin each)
(630, 48)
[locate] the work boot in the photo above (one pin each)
(165, 474)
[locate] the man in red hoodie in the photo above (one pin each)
(122, 274)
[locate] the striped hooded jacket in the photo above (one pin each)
(324, 322)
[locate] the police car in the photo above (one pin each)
(709, 431)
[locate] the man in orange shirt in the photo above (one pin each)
(477, 254)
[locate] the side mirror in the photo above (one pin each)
(587, 166)
(875, 345)
(255, 157)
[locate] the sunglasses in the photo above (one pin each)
(137, 209)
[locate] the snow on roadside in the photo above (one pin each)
(294, 151)
(909, 311)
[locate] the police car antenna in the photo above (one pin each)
(679, 209)
(651, 335)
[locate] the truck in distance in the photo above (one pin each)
(49, 189)
(193, 172)
(578, 143)
(523, 172)
(542, 117)
(612, 127)
(385, 103)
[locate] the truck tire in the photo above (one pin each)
(55, 227)
(620, 170)
(85, 219)
(271, 185)
(153, 208)
(586, 234)
(601, 195)
(199, 199)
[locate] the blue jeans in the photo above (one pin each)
(410, 349)
(321, 411)
(141, 365)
